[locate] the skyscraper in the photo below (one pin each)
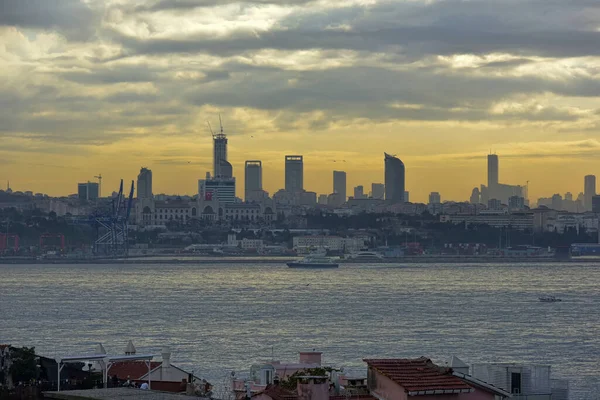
(253, 177)
(219, 152)
(378, 191)
(394, 179)
(589, 191)
(492, 171)
(339, 184)
(294, 174)
(144, 184)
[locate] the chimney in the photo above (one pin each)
(166, 363)
(313, 388)
(310, 357)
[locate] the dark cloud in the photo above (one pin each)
(183, 5)
(72, 17)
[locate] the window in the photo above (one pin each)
(515, 382)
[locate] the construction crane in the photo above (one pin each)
(99, 177)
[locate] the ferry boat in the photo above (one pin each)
(366, 256)
(314, 261)
(549, 299)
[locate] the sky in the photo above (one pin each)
(92, 87)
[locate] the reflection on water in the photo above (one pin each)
(219, 318)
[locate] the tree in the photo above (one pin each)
(24, 364)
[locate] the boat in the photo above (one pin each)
(366, 256)
(314, 261)
(549, 299)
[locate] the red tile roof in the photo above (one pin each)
(419, 375)
(277, 392)
(132, 369)
(353, 397)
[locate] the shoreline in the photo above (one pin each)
(283, 260)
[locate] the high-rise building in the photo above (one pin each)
(569, 196)
(475, 196)
(394, 179)
(589, 191)
(435, 198)
(220, 189)
(492, 170)
(359, 192)
(339, 183)
(516, 203)
(88, 191)
(253, 178)
(322, 199)
(144, 184)
(596, 204)
(494, 204)
(294, 174)
(219, 152)
(557, 202)
(378, 191)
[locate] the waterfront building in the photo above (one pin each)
(306, 244)
(496, 219)
(394, 179)
(339, 184)
(294, 173)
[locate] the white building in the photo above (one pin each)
(523, 381)
(305, 244)
(517, 221)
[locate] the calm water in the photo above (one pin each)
(219, 318)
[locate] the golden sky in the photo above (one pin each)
(109, 86)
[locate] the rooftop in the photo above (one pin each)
(116, 394)
(132, 369)
(418, 376)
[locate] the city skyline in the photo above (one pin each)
(107, 86)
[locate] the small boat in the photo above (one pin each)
(549, 299)
(314, 261)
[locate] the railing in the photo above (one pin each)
(532, 396)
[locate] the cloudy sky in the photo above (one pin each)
(108, 86)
